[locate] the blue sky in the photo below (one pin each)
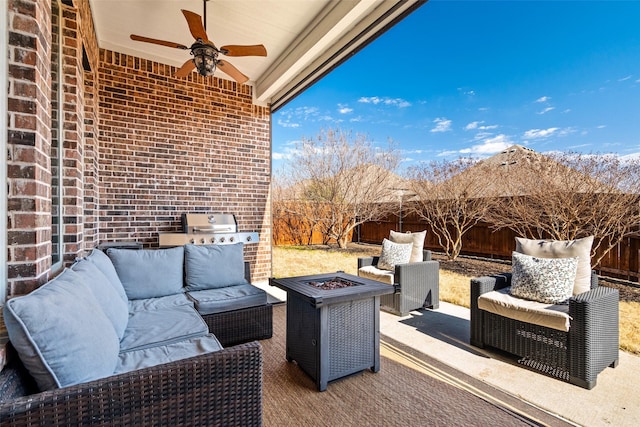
(472, 78)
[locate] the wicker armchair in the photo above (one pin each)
(416, 285)
(576, 356)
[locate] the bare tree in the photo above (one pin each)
(451, 196)
(345, 179)
(567, 195)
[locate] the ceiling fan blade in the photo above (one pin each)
(186, 69)
(232, 71)
(237, 50)
(156, 41)
(195, 25)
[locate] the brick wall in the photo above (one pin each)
(171, 145)
(28, 144)
(140, 147)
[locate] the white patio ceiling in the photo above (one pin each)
(304, 38)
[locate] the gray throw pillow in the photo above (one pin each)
(104, 264)
(61, 334)
(394, 254)
(149, 273)
(547, 280)
(111, 303)
(213, 266)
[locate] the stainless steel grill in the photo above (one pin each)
(207, 229)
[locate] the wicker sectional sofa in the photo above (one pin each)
(139, 337)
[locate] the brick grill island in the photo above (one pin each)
(332, 333)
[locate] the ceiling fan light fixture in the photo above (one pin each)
(205, 58)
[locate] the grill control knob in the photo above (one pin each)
(192, 241)
(231, 239)
(222, 240)
(213, 240)
(248, 238)
(202, 241)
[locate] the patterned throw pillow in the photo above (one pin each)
(394, 254)
(580, 248)
(547, 280)
(416, 239)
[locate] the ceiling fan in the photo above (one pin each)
(205, 53)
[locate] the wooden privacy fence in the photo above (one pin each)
(622, 262)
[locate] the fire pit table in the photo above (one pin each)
(333, 324)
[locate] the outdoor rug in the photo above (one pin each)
(411, 389)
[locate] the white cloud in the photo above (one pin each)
(472, 125)
(546, 110)
(601, 126)
(490, 146)
(566, 131)
(292, 118)
(286, 123)
(625, 78)
(344, 109)
(394, 102)
(539, 133)
(447, 153)
(442, 125)
(479, 126)
(543, 99)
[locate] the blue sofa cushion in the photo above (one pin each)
(213, 266)
(149, 273)
(104, 264)
(151, 328)
(160, 302)
(61, 334)
(147, 357)
(219, 300)
(111, 303)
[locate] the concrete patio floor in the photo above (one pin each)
(443, 334)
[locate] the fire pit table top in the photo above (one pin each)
(330, 288)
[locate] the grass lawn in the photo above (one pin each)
(454, 288)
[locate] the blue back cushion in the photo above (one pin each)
(104, 264)
(149, 273)
(110, 301)
(61, 334)
(213, 266)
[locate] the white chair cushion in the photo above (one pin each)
(500, 302)
(373, 273)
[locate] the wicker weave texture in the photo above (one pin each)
(223, 388)
(417, 285)
(334, 340)
(577, 356)
(240, 326)
(351, 337)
